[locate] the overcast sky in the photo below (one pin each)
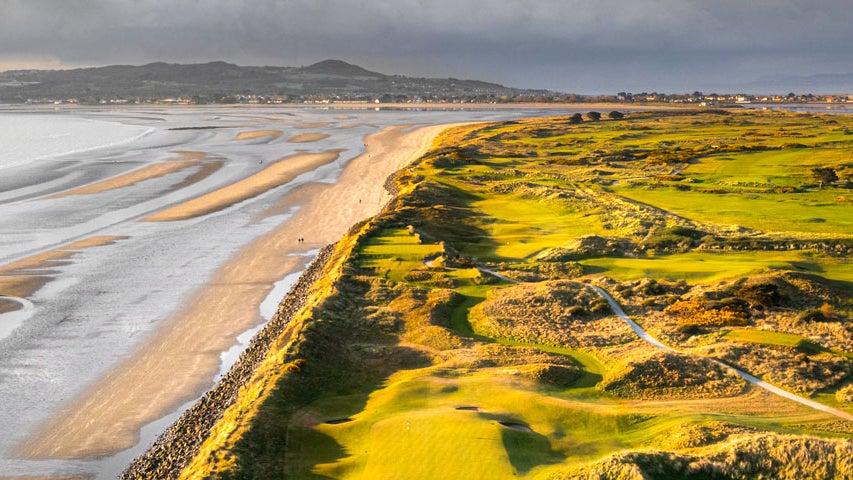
(585, 46)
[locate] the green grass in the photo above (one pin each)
(767, 337)
(814, 212)
(523, 227)
(394, 252)
(708, 266)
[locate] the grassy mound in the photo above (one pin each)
(785, 366)
(559, 313)
(671, 375)
(765, 456)
(698, 435)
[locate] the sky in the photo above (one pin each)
(582, 46)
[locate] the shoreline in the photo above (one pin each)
(182, 357)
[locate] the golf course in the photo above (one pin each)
(458, 334)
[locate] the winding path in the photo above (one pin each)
(648, 338)
(749, 378)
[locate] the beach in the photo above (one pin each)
(179, 360)
(132, 275)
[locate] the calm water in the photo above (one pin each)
(30, 137)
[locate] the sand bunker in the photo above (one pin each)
(276, 175)
(307, 138)
(258, 134)
(516, 426)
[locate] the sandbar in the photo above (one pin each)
(179, 360)
(277, 174)
(23, 278)
(186, 160)
(307, 137)
(309, 125)
(258, 134)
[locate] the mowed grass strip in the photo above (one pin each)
(815, 212)
(767, 337)
(710, 266)
(394, 252)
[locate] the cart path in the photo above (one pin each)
(648, 338)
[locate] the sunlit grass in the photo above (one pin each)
(768, 337)
(710, 266)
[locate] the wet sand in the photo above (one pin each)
(179, 360)
(279, 173)
(258, 134)
(24, 277)
(308, 137)
(186, 160)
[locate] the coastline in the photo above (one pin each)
(179, 361)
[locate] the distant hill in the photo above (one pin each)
(221, 82)
(341, 69)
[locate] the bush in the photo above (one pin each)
(845, 394)
(705, 313)
(763, 295)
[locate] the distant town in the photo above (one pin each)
(326, 82)
(696, 98)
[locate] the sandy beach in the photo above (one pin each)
(177, 363)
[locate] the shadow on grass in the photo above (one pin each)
(459, 323)
(282, 441)
(525, 448)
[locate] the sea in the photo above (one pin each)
(30, 137)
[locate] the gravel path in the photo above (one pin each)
(648, 338)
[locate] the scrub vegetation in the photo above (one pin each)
(456, 335)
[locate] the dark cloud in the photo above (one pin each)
(576, 45)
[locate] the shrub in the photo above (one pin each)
(763, 295)
(845, 394)
(705, 313)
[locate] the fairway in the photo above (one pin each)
(713, 266)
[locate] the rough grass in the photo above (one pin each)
(671, 375)
(747, 457)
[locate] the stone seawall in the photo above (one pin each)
(176, 447)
